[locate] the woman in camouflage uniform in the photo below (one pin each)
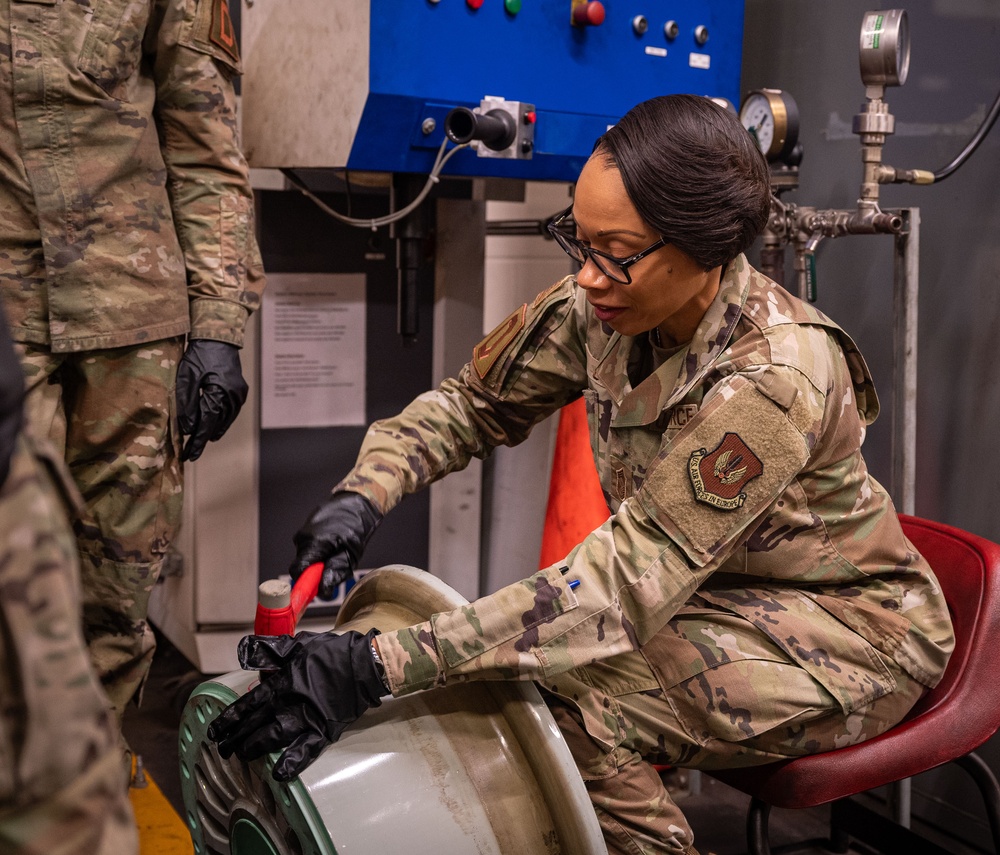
(750, 597)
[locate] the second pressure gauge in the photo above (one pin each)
(772, 117)
(885, 48)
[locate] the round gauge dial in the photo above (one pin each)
(885, 48)
(772, 118)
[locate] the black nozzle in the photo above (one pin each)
(496, 129)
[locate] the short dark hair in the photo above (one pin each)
(694, 174)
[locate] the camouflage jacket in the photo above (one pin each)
(735, 481)
(11, 397)
(126, 212)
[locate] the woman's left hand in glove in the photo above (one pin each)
(313, 685)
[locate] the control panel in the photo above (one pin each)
(370, 85)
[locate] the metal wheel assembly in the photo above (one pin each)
(474, 768)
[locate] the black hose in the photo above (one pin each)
(977, 138)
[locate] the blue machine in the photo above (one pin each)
(429, 57)
(369, 86)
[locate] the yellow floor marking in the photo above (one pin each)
(161, 830)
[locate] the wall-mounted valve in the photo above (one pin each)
(772, 119)
(499, 128)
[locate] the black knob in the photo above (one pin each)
(496, 129)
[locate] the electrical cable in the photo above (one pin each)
(973, 144)
(392, 217)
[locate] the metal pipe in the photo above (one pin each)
(413, 267)
(866, 220)
(772, 263)
(906, 270)
(902, 488)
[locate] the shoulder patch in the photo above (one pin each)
(720, 476)
(544, 295)
(704, 503)
(223, 34)
(490, 348)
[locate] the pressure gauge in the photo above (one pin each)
(772, 117)
(885, 48)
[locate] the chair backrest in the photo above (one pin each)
(968, 569)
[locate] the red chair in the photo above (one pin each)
(947, 724)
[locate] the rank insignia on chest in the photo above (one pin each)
(719, 477)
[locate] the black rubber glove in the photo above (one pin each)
(11, 398)
(318, 685)
(210, 392)
(336, 534)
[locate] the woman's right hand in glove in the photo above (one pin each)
(335, 534)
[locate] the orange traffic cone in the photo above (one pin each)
(576, 503)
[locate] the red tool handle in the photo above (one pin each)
(283, 619)
(305, 589)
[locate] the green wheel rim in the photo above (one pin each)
(237, 808)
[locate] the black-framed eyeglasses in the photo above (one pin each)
(613, 268)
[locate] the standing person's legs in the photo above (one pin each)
(618, 718)
(63, 790)
(112, 413)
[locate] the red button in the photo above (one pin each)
(589, 14)
(530, 117)
(473, 4)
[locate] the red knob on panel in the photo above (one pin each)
(589, 14)
(474, 4)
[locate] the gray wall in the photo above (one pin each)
(810, 49)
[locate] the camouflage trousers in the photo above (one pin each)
(621, 715)
(111, 413)
(63, 789)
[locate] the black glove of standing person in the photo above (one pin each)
(11, 398)
(318, 685)
(336, 534)
(210, 392)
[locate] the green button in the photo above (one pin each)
(512, 6)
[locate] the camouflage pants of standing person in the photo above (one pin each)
(63, 789)
(111, 413)
(619, 717)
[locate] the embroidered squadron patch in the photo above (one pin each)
(720, 476)
(223, 33)
(489, 349)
